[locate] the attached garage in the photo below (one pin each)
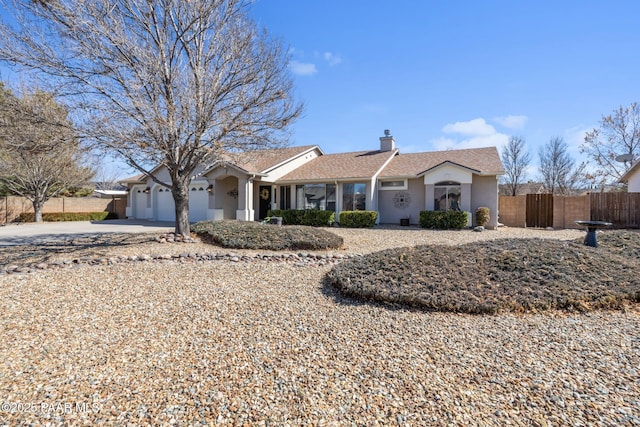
(198, 202)
(139, 203)
(165, 207)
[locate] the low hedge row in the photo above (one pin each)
(310, 217)
(68, 216)
(358, 219)
(443, 219)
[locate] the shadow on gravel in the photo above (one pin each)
(329, 291)
(48, 247)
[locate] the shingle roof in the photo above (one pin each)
(355, 165)
(134, 179)
(263, 160)
(484, 160)
(362, 164)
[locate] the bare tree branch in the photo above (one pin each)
(618, 134)
(515, 159)
(39, 152)
(172, 82)
(559, 172)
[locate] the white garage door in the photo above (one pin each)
(140, 206)
(165, 206)
(198, 202)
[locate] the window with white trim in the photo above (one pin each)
(396, 184)
(316, 196)
(354, 197)
(446, 196)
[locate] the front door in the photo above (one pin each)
(265, 201)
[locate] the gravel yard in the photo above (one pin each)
(267, 343)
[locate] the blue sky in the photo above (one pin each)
(455, 74)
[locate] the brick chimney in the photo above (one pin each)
(387, 143)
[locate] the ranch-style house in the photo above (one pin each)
(396, 185)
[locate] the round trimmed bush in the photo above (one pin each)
(482, 216)
(518, 275)
(252, 235)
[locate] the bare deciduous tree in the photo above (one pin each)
(106, 179)
(173, 83)
(515, 160)
(39, 152)
(618, 134)
(558, 169)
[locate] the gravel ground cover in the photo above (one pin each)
(263, 343)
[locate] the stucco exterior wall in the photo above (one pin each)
(484, 192)
(634, 182)
(223, 200)
(162, 174)
(391, 214)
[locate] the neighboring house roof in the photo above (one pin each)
(111, 192)
(524, 188)
(483, 161)
(135, 179)
(342, 166)
(633, 169)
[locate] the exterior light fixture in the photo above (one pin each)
(210, 188)
(147, 190)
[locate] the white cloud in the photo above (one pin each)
(512, 122)
(575, 135)
(474, 133)
(495, 140)
(303, 68)
(332, 59)
(475, 127)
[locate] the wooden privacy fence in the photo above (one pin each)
(539, 210)
(545, 210)
(620, 209)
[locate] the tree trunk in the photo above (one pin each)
(37, 209)
(181, 200)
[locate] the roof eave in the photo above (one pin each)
(271, 168)
(476, 171)
(625, 178)
(323, 180)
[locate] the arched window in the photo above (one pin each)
(446, 196)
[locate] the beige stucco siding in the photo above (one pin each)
(634, 183)
(484, 192)
(391, 214)
(223, 200)
(162, 174)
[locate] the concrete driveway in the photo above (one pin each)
(32, 233)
